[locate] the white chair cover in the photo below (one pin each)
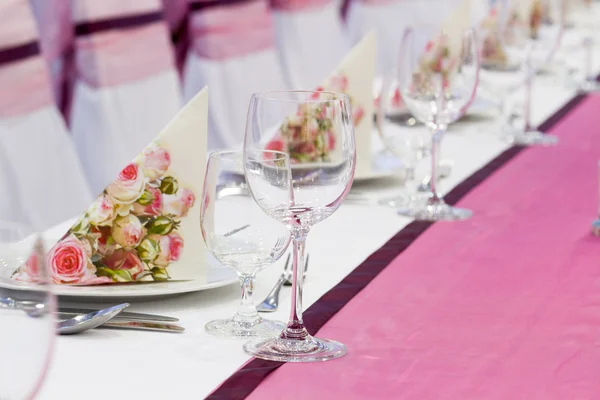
(126, 88)
(310, 40)
(42, 181)
(232, 51)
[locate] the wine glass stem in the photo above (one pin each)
(247, 312)
(527, 102)
(295, 329)
(436, 139)
(587, 42)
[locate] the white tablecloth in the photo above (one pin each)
(105, 364)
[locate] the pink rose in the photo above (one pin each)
(178, 204)
(29, 272)
(357, 115)
(339, 83)
(69, 262)
(128, 186)
(156, 162)
(128, 231)
(125, 260)
(276, 144)
(102, 212)
(152, 209)
(170, 248)
(106, 245)
(175, 245)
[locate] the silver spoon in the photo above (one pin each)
(92, 320)
(271, 302)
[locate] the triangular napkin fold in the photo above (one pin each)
(145, 226)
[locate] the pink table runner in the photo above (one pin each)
(504, 306)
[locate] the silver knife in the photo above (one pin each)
(121, 315)
(142, 325)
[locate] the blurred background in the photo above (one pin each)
(87, 84)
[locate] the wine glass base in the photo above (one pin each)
(436, 212)
(590, 86)
(309, 349)
(231, 328)
(532, 138)
(395, 202)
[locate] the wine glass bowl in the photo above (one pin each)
(27, 338)
(316, 130)
(240, 236)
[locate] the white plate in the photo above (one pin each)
(216, 276)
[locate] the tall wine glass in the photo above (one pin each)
(438, 75)
(514, 49)
(586, 14)
(316, 130)
(240, 236)
(26, 312)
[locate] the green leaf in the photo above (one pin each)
(160, 274)
(122, 275)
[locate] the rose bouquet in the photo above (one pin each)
(130, 232)
(307, 136)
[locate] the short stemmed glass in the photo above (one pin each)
(316, 130)
(438, 75)
(26, 309)
(240, 236)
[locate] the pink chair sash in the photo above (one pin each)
(233, 29)
(24, 76)
(114, 46)
(298, 5)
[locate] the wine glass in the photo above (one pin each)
(516, 45)
(240, 236)
(26, 311)
(438, 74)
(587, 17)
(316, 130)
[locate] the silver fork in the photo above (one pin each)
(288, 281)
(271, 302)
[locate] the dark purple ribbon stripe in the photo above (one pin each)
(246, 379)
(125, 22)
(20, 52)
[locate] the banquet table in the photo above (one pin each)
(503, 306)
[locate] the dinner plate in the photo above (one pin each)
(216, 276)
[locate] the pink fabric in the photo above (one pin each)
(298, 5)
(503, 306)
(228, 31)
(94, 10)
(25, 87)
(121, 56)
(25, 83)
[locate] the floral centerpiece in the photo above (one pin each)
(308, 135)
(130, 232)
